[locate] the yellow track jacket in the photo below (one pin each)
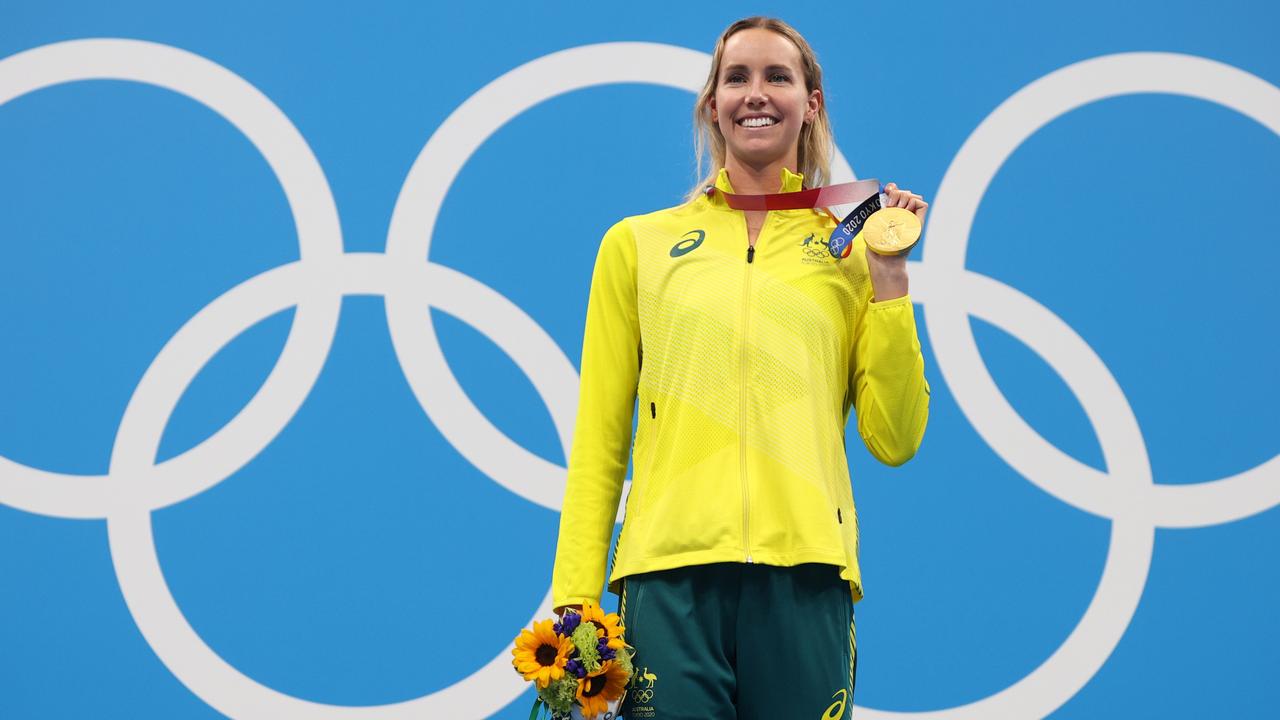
(744, 367)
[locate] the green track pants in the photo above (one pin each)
(736, 641)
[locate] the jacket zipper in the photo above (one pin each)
(742, 390)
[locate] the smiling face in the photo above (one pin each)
(761, 102)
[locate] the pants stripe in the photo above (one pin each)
(853, 656)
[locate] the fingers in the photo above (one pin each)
(898, 197)
(919, 207)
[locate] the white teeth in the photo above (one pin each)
(758, 122)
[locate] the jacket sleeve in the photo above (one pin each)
(890, 394)
(602, 433)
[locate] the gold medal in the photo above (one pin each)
(891, 231)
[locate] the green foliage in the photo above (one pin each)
(584, 639)
(561, 694)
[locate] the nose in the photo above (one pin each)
(757, 97)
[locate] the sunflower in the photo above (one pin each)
(610, 626)
(601, 687)
(540, 655)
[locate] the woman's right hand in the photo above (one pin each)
(560, 610)
(889, 272)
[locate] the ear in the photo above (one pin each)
(711, 105)
(814, 105)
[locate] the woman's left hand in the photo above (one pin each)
(889, 272)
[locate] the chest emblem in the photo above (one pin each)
(813, 251)
(690, 242)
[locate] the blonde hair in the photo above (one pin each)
(815, 144)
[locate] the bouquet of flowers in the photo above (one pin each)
(581, 664)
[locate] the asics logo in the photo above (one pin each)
(835, 710)
(688, 244)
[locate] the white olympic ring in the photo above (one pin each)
(1125, 493)
(135, 485)
(316, 218)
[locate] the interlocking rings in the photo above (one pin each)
(1125, 493)
(642, 696)
(135, 484)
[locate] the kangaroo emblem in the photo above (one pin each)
(642, 689)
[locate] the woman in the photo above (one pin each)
(746, 345)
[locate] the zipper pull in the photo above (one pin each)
(751, 252)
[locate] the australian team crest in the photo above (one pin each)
(814, 251)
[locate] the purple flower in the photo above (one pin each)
(606, 652)
(568, 623)
(576, 668)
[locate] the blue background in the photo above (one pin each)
(318, 569)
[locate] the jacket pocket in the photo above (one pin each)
(642, 457)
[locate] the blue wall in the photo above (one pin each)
(1087, 532)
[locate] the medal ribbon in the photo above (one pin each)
(841, 241)
(868, 194)
(829, 196)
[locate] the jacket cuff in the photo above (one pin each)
(884, 304)
(575, 600)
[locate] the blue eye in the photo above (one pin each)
(779, 77)
(736, 77)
